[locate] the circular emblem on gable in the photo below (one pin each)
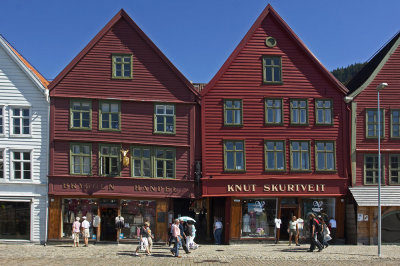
(270, 42)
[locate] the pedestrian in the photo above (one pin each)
(193, 244)
(183, 235)
(277, 229)
(326, 234)
(143, 244)
(217, 231)
(314, 224)
(76, 229)
(320, 230)
(332, 228)
(293, 231)
(188, 233)
(176, 236)
(85, 231)
(150, 238)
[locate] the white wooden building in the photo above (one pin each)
(24, 133)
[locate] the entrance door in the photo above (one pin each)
(108, 231)
(286, 216)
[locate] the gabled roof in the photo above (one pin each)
(121, 15)
(266, 12)
(36, 77)
(365, 76)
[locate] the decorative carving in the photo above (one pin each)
(125, 158)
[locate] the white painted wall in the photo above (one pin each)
(18, 89)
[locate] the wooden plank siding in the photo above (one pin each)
(243, 79)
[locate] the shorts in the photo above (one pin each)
(76, 237)
(86, 233)
(292, 232)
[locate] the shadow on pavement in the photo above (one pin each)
(292, 250)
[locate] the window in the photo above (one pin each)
(395, 123)
(371, 169)
(298, 111)
(110, 160)
(1, 120)
(325, 156)
(21, 163)
(274, 155)
(81, 163)
(81, 114)
(394, 169)
(164, 118)
(300, 156)
(274, 111)
(141, 161)
(233, 112)
(20, 118)
(372, 123)
(122, 66)
(15, 220)
(234, 154)
(110, 115)
(1, 164)
(323, 112)
(165, 162)
(272, 68)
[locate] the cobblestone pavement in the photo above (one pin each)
(242, 254)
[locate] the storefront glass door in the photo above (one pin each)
(15, 220)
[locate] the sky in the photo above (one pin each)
(197, 36)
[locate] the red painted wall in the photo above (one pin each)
(243, 80)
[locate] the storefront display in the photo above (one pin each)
(135, 213)
(258, 218)
(319, 206)
(15, 220)
(72, 208)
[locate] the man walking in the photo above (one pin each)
(176, 236)
(314, 234)
(183, 236)
(85, 229)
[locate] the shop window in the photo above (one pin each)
(272, 70)
(164, 119)
(81, 163)
(110, 115)
(371, 117)
(20, 121)
(165, 162)
(258, 218)
(395, 123)
(234, 156)
(394, 169)
(15, 220)
(141, 161)
(21, 165)
(81, 114)
(274, 111)
(110, 160)
(135, 213)
(122, 66)
(72, 208)
(275, 155)
(300, 156)
(299, 112)
(325, 155)
(323, 112)
(233, 111)
(319, 206)
(1, 164)
(371, 169)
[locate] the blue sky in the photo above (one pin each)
(197, 36)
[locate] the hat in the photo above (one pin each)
(319, 216)
(147, 223)
(84, 217)
(77, 218)
(180, 219)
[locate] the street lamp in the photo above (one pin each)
(379, 88)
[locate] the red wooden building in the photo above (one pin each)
(124, 140)
(274, 135)
(384, 67)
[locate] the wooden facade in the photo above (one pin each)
(384, 67)
(242, 78)
(150, 82)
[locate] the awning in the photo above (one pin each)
(368, 196)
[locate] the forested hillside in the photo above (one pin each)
(345, 74)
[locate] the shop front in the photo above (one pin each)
(104, 202)
(252, 207)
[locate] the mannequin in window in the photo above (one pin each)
(246, 223)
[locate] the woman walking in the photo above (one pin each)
(144, 242)
(326, 234)
(293, 230)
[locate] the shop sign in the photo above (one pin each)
(87, 186)
(166, 189)
(317, 206)
(276, 188)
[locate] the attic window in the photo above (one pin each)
(270, 42)
(122, 66)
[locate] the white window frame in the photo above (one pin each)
(12, 165)
(2, 134)
(11, 116)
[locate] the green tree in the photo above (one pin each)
(345, 74)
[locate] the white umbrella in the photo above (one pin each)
(187, 218)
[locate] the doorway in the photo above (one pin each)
(286, 215)
(108, 231)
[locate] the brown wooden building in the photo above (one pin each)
(124, 138)
(384, 67)
(274, 135)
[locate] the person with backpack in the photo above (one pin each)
(315, 227)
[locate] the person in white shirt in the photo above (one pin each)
(332, 228)
(277, 229)
(85, 227)
(293, 230)
(218, 231)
